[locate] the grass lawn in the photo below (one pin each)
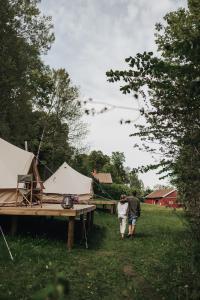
(152, 266)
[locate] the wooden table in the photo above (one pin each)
(52, 210)
(111, 204)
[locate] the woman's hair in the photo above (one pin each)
(123, 197)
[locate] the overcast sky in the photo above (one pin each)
(93, 36)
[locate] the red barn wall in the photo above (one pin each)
(170, 200)
(150, 201)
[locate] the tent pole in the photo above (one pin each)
(6, 244)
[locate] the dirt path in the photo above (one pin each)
(146, 289)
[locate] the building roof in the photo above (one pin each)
(66, 180)
(160, 193)
(14, 161)
(103, 177)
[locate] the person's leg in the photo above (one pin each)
(123, 227)
(129, 229)
(133, 230)
(120, 226)
(129, 226)
(133, 226)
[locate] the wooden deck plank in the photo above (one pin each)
(103, 202)
(47, 210)
(111, 204)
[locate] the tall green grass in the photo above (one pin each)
(155, 265)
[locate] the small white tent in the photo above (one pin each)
(66, 180)
(13, 162)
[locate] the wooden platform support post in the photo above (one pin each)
(82, 226)
(92, 218)
(88, 221)
(115, 208)
(70, 238)
(13, 229)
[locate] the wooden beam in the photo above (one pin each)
(109, 204)
(101, 202)
(47, 210)
(70, 238)
(82, 226)
(112, 209)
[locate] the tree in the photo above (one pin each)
(147, 191)
(54, 120)
(97, 160)
(24, 35)
(162, 186)
(170, 84)
(135, 182)
(63, 102)
(36, 102)
(117, 167)
(80, 162)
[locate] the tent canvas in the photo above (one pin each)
(66, 180)
(13, 162)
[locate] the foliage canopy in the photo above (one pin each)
(169, 85)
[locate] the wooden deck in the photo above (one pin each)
(47, 210)
(110, 204)
(52, 210)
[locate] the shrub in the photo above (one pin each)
(112, 191)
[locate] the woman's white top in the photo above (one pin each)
(122, 209)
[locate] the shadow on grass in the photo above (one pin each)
(55, 228)
(103, 210)
(139, 235)
(97, 237)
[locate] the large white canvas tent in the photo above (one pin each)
(13, 162)
(66, 180)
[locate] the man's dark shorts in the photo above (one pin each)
(132, 220)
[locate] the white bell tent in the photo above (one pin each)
(14, 161)
(66, 180)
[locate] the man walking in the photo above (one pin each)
(133, 213)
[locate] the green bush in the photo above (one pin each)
(111, 191)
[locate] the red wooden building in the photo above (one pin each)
(163, 197)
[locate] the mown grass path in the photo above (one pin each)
(152, 266)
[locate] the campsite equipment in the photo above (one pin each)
(75, 199)
(6, 243)
(15, 161)
(27, 190)
(66, 180)
(30, 192)
(67, 201)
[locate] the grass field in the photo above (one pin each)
(152, 266)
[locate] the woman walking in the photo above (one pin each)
(122, 209)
